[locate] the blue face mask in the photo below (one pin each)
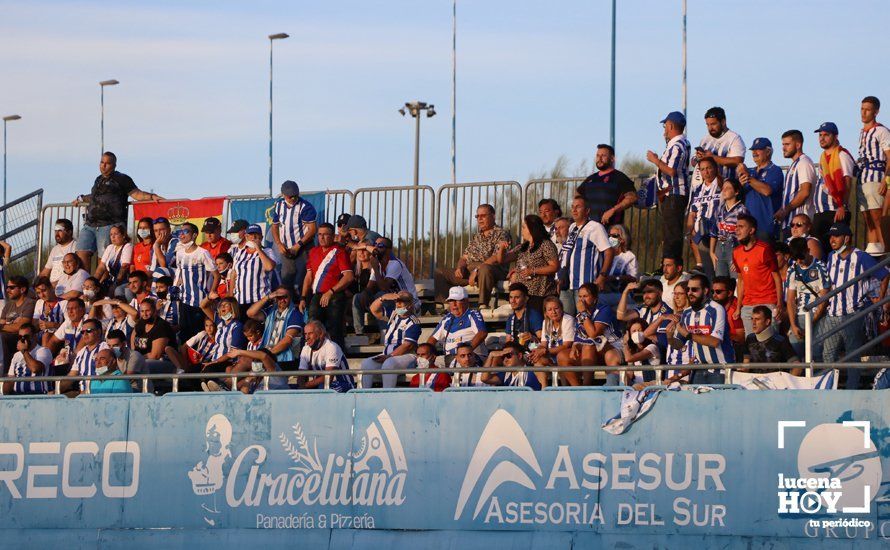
(117, 352)
(401, 311)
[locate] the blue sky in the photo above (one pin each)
(190, 117)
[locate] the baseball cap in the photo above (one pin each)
(840, 229)
(161, 219)
(675, 116)
(254, 229)
(356, 222)
(211, 225)
(829, 127)
(457, 293)
(290, 189)
(343, 219)
(760, 144)
(238, 225)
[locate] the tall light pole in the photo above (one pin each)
(6, 119)
(684, 58)
(102, 115)
(612, 110)
(272, 39)
(454, 92)
(415, 108)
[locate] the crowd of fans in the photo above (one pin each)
(765, 245)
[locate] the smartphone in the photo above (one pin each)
(700, 149)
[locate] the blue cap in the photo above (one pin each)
(839, 229)
(760, 144)
(254, 229)
(675, 116)
(290, 189)
(161, 219)
(829, 127)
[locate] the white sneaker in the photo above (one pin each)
(874, 248)
(211, 385)
(204, 386)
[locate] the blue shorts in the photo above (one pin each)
(93, 239)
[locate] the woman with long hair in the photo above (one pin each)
(537, 260)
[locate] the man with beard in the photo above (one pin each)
(63, 233)
(673, 182)
(704, 323)
(609, 192)
(721, 144)
(758, 282)
(799, 181)
(830, 195)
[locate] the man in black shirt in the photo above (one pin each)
(608, 191)
(106, 205)
(765, 345)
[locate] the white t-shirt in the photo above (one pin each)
(552, 336)
(730, 144)
(398, 272)
(111, 251)
(625, 264)
(655, 360)
(54, 260)
(18, 368)
(667, 295)
(67, 283)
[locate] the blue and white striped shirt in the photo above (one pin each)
(725, 222)
(292, 220)
(328, 356)
(841, 270)
(584, 253)
(85, 362)
(676, 155)
(522, 379)
(56, 314)
(122, 325)
(807, 282)
(228, 336)
(452, 330)
(19, 369)
(650, 315)
(872, 159)
(400, 330)
(194, 275)
(252, 282)
(729, 144)
(801, 171)
(203, 345)
(703, 202)
(710, 320)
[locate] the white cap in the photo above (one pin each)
(457, 293)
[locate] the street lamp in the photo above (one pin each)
(272, 38)
(6, 119)
(414, 108)
(102, 116)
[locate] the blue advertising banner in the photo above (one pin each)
(812, 467)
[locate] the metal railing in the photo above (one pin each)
(338, 201)
(455, 214)
(405, 215)
(21, 230)
(174, 378)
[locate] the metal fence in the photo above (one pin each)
(48, 216)
(21, 230)
(404, 214)
(338, 201)
(456, 211)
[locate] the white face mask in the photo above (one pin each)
(613, 242)
(89, 294)
(187, 244)
(841, 249)
(423, 363)
(401, 310)
(637, 338)
(143, 233)
(226, 316)
(101, 370)
(235, 238)
(257, 366)
(251, 245)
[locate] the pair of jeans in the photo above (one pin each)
(93, 239)
(361, 304)
(191, 321)
(673, 219)
(569, 299)
(293, 270)
(332, 316)
(487, 276)
(724, 259)
(799, 346)
(707, 264)
(848, 339)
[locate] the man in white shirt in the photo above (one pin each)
(672, 269)
(320, 353)
(30, 360)
(63, 232)
(721, 144)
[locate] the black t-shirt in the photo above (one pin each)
(603, 192)
(775, 350)
(143, 339)
(108, 200)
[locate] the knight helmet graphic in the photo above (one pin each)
(207, 475)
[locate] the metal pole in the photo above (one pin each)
(612, 110)
(417, 150)
(102, 120)
(684, 57)
(454, 92)
(270, 115)
(808, 340)
(4, 178)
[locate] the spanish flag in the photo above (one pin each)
(833, 174)
(182, 211)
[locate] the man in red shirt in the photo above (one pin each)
(213, 239)
(328, 275)
(759, 283)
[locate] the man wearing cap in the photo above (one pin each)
(478, 266)
(846, 263)
(293, 230)
(673, 182)
(359, 234)
(63, 233)
(609, 192)
(106, 205)
(328, 274)
(213, 239)
(800, 180)
(763, 188)
(196, 275)
(252, 269)
(342, 236)
(721, 144)
(830, 195)
(460, 325)
(874, 176)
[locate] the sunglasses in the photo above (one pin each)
(798, 224)
(695, 289)
(380, 245)
(285, 297)
(615, 236)
(510, 355)
(719, 291)
(11, 287)
(89, 330)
